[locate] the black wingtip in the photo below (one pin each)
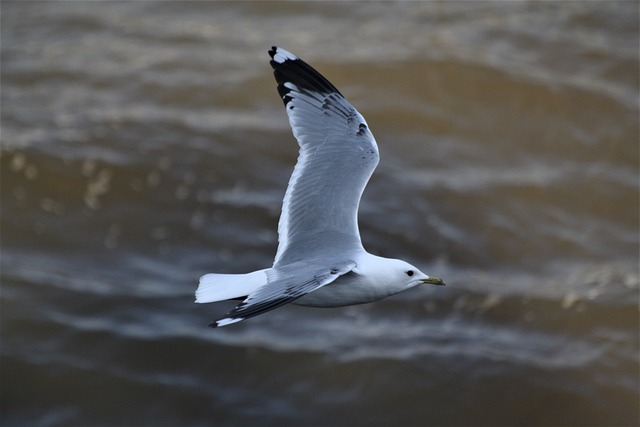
(288, 68)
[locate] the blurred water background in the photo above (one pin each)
(144, 144)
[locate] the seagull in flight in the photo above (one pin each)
(320, 261)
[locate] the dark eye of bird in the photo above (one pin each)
(410, 273)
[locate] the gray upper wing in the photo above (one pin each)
(337, 157)
(286, 284)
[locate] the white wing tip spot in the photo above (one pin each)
(282, 56)
(228, 321)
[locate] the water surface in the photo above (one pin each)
(144, 145)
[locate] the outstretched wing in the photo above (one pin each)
(284, 285)
(337, 157)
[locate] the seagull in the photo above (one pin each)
(320, 260)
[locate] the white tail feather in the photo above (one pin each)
(219, 287)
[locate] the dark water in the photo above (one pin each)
(144, 144)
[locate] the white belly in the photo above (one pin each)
(349, 289)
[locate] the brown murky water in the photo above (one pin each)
(144, 145)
